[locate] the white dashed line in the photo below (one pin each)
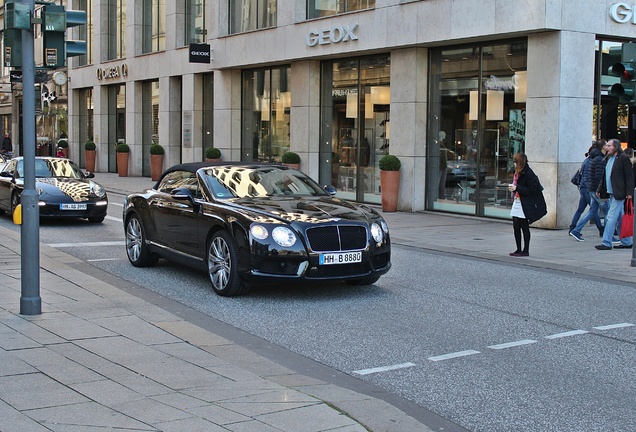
(512, 344)
(103, 259)
(613, 326)
(383, 368)
(566, 334)
(113, 218)
(453, 355)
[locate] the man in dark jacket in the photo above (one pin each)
(597, 167)
(616, 185)
(7, 146)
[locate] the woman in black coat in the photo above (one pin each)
(528, 205)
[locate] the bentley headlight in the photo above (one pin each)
(97, 189)
(284, 236)
(259, 232)
(384, 226)
(376, 232)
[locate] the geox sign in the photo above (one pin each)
(333, 35)
(200, 53)
(623, 13)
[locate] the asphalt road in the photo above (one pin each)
(489, 346)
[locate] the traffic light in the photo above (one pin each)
(625, 90)
(17, 17)
(55, 20)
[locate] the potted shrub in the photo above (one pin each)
(89, 154)
(62, 144)
(291, 159)
(122, 159)
(213, 154)
(389, 182)
(156, 161)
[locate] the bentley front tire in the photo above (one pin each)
(223, 265)
(137, 250)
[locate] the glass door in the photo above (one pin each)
(476, 125)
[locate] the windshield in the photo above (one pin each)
(51, 168)
(241, 182)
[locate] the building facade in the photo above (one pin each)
(452, 87)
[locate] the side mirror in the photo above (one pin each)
(89, 174)
(330, 190)
(6, 174)
(181, 194)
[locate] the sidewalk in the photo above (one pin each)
(101, 358)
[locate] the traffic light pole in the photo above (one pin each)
(30, 300)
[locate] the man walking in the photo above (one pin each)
(616, 185)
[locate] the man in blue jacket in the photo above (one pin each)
(616, 185)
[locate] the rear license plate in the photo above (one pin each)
(340, 258)
(73, 206)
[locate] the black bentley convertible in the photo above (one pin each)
(245, 223)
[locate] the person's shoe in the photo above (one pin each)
(515, 253)
(523, 254)
(616, 241)
(622, 246)
(603, 247)
(578, 237)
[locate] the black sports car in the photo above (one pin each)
(245, 223)
(65, 190)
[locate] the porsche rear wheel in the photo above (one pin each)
(15, 200)
(223, 265)
(137, 250)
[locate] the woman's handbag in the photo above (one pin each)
(576, 178)
(627, 223)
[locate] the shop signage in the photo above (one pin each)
(622, 13)
(333, 35)
(200, 53)
(496, 83)
(112, 72)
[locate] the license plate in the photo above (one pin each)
(340, 258)
(73, 206)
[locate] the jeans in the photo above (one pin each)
(613, 222)
(584, 201)
(595, 204)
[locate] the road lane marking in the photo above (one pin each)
(566, 334)
(453, 355)
(613, 326)
(87, 244)
(512, 344)
(103, 259)
(113, 218)
(114, 203)
(383, 368)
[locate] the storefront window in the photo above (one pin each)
(321, 8)
(247, 15)
(266, 114)
(85, 120)
(150, 122)
(51, 118)
(477, 122)
(208, 113)
(356, 125)
(611, 111)
(116, 122)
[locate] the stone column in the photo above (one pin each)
(305, 115)
(227, 114)
(559, 116)
(409, 78)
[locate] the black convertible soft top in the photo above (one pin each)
(195, 166)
